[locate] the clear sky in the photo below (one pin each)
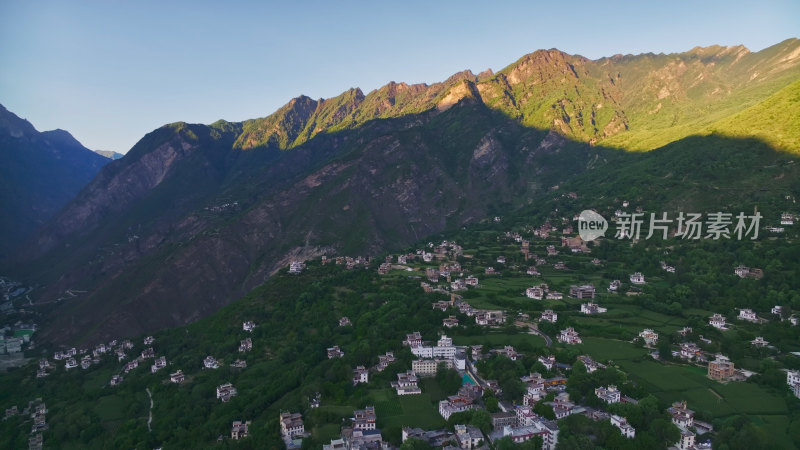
(110, 71)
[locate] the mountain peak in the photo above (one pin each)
(715, 52)
(465, 89)
(14, 125)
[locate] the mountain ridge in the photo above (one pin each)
(195, 216)
(41, 172)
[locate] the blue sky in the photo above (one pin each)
(110, 71)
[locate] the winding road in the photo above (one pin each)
(150, 417)
(533, 329)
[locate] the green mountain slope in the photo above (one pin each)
(775, 120)
(195, 216)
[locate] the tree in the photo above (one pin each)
(483, 420)
(665, 431)
(492, 404)
(544, 410)
(664, 350)
(448, 379)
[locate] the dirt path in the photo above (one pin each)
(150, 417)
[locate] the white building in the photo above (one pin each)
(624, 427)
(748, 315)
(158, 364)
(592, 308)
(741, 271)
(717, 321)
(690, 350)
(454, 404)
(793, 380)
(535, 293)
(248, 326)
(468, 436)
(759, 342)
(609, 395)
(296, 267)
(210, 363)
(406, 384)
(549, 316)
(225, 392)
(548, 361)
(292, 425)
(554, 295)
(360, 375)
(649, 336)
(364, 419)
(637, 278)
(177, 377)
(569, 336)
(335, 352)
(687, 441)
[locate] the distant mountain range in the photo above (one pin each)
(109, 154)
(39, 174)
(195, 216)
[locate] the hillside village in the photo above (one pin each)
(485, 411)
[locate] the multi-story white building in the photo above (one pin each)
(649, 336)
(609, 395)
(549, 316)
(569, 336)
(793, 380)
(364, 419)
(717, 321)
(406, 383)
(384, 361)
(748, 315)
(637, 278)
(360, 375)
(296, 267)
(292, 425)
(690, 350)
(687, 441)
(592, 308)
(536, 293)
(682, 416)
(210, 362)
(468, 436)
(624, 427)
(225, 392)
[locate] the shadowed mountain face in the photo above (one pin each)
(39, 174)
(195, 216)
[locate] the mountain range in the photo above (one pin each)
(195, 216)
(40, 173)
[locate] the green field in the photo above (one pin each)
(673, 383)
(498, 340)
(609, 349)
(409, 411)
